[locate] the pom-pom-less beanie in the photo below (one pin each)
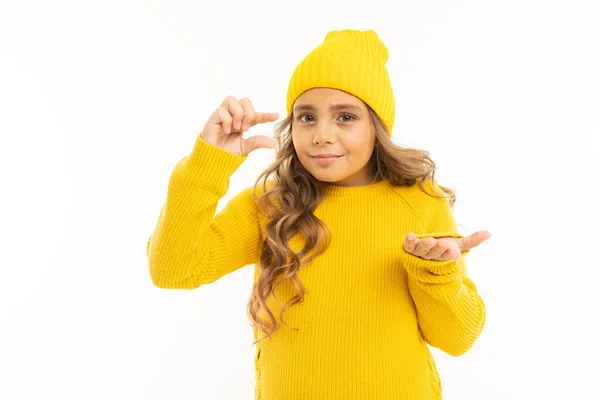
(353, 61)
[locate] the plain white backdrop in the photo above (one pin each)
(99, 100)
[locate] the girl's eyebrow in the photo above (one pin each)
(309, 107)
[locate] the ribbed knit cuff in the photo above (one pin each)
(206, 156)
(431, 270)
(206, 170)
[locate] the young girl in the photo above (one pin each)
(331, 235)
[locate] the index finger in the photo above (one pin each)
(475, 239)
(261, 118)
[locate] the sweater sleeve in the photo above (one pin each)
(450, 312)
(191, 246)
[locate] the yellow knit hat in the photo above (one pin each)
(352, 61)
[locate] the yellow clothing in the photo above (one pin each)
(353, 61)
(370, 307)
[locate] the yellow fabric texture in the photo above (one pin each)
(350, 60)
(370, 308)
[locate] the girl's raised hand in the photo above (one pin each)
(227, 124)
(442, 248)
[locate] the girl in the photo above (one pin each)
(332, 236)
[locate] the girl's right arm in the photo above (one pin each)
(191, 246)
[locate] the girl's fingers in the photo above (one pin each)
(449, 253)
(431, 248)
(419, 247)
(424, 245)
(438, 250)
(410, 242)
(236, 111)
(234, 117)
(249, 113)
(225, 119)
(443, 250)
(244, 115)
(262, 118)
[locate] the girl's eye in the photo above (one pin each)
(304, 115)
(347, 118)
(348, 115)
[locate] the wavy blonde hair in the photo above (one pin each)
(292, 199)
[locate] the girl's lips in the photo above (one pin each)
(325, 160)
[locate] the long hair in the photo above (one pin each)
(293, 197)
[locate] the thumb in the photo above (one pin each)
(258, 142)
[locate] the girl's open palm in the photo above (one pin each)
(442, 248)
(227, 124)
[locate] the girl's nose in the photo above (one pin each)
(324, 133)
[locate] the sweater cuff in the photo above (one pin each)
(425, 270)
(206, 157)
(203, 176)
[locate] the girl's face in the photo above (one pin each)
(332, 121)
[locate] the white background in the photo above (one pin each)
(99, 100)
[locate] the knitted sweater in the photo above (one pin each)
(370, 308)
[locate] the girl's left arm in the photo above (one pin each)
(450, 312)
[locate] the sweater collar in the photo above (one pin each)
(336, 190)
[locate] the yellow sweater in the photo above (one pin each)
(370, 308)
